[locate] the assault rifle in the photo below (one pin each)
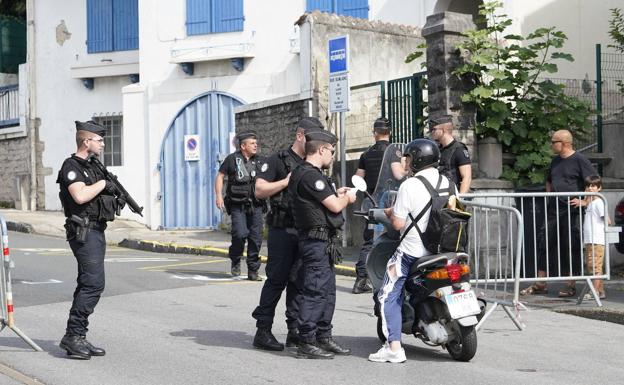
(122, 193)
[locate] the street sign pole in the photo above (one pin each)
(339, 98)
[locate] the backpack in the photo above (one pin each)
(447, 230)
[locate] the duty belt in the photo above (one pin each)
(320, 233)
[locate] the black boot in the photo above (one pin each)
(361, 286)
(93, 350)
(265, 340)
(75, 347)
(306, 350)
(292, 338)
(332, 346)
(253, 276)
(235, 269)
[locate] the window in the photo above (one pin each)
(213, 16)
(112, 139)
(112, 25)
(353, 8)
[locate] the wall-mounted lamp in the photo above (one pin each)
(88, 83)
(134, 78)
(238, 63)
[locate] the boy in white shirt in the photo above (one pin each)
(594, 233)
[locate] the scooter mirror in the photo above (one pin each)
(358, 182)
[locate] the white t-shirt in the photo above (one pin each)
(593, 225)
(411, 198)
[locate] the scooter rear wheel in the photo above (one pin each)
(466, 347)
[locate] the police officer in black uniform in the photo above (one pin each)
(88, 202)
(455, 160)
(317, 219)
(241, 204)
(368, 168)
(283, 241)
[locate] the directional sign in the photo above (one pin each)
(339, 74)
(191, 147)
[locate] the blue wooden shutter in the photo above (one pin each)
(99, 26)
(321, 5)
(198, 17)
(228, 16)
(353, 8)
(125, 25)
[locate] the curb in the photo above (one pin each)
(170, 247)
(600, 314)
(20, 227)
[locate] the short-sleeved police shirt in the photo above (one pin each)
(568, 174)
(273, 168)
(72, 171)
(314, 186)
(228, 167)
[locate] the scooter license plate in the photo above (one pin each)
(462, 304)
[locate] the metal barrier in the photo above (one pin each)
(6, 292)
(552, 240)
(495, 247)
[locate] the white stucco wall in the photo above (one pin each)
(62, 99)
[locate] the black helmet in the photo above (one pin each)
(423, 153)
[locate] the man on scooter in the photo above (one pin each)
(423, 157)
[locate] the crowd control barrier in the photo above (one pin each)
(6, 293)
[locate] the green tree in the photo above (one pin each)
(616, 32)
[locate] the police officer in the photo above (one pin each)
(241, 204)
(88, 202)
(317, 218)
(454, 157)
(283, 241)
(369, 167)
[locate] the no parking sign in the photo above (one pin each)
(191, 147)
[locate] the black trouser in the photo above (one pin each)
(564, 243)
(90, 281)
(367, 246)
(318, 296)
(246, 226)
(283, 253)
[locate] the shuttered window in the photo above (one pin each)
(213, 16)
(353, 8)
(112, 25)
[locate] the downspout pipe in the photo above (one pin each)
(32, 105)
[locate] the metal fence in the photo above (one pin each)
(6, 292)
(9, 106)
(406, 107)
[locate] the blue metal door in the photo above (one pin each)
(187, 187)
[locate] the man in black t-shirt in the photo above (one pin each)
(567, 173)
(454, 157)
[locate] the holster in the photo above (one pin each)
(333, 251)
(77, 228)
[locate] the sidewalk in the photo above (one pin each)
(134, 235)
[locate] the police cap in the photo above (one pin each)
(323, 136)
(90, 126)
(246, 135)
(310, 124)
(440, 119)
(381, 125)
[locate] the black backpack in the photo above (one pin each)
(447, 230)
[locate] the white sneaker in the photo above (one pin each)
(386, 355)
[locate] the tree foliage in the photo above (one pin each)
(515, 103)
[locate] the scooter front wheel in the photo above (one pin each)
(464, 347)
(380, 332)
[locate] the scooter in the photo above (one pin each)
(439, 306)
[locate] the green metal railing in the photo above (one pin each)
(405, 107)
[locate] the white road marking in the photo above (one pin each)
(198, 277)
(141, 259)
(42, 282)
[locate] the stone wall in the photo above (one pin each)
(14, 167)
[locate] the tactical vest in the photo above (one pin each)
(446, 154)
(70, 207)
(280, 214)
(309, 213)
(240, 185)
(372, 163)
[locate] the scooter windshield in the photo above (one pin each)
(391, 174)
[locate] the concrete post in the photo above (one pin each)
(442, 33)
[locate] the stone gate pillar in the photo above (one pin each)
(442, 33)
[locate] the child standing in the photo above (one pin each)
(594, 233)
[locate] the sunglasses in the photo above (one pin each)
(333, 151)
(101, 140)
(556, 141)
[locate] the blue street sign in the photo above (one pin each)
(338, 50)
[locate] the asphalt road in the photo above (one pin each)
(176, 319)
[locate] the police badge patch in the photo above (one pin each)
(71, 175)
(319, 185)
(264, 167)
(466, 154)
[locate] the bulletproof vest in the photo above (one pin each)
(240, 186)
(280, 214)
(372, 163)
(70, 207)
(446, 155)
(310, 213)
